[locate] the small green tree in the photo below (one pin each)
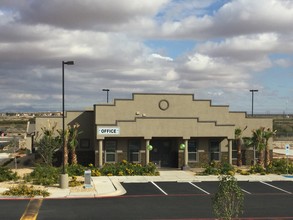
(228, 201)
(48, 144)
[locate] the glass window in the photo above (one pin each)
(234, 150)
(110, 151)
(214, 150)
(192, 150)
(133, 151)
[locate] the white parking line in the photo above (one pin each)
(199, 188)
(275, 187)
(159, 188)
(245, 191)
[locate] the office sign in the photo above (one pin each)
(108, 130)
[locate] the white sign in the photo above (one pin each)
(287, 147)
(109, 131)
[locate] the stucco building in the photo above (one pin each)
(171, 130)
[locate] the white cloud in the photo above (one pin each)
(158, 56)
(107, 41)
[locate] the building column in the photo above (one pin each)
(147, 152)
(230, 143)
(185, 167)
(100, 153)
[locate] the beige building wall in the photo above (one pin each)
(176, 117)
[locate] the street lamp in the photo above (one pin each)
(252, 95)
(107, 90)
(64, 176)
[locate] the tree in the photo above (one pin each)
(239, 142)
(228, 201)
(260, 138)
(48, 144)
(73, 141)
(66, 134)
(268, 134)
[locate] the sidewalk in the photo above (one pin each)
(104, 186)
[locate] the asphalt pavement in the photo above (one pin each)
(110, 186)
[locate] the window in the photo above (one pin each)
(192, 151)
(214, 150)
(234, 150)
(133, 151)
(110, 151)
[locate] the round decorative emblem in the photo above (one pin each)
(164, 104)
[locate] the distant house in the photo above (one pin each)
(171, 130)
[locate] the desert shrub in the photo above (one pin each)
(216, 168)
(228, 201)
(75, 170)
(7, 174)
(73, 182)
(24, 190)
(257, 168)
(43, 175)
(280, 166)
(125, 168)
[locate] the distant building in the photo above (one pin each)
(171, 130)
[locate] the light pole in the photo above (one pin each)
(107, 90)
(252, 96)
(64, 175)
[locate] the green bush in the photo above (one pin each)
(216, 168)
(281, 166)
(257, 168)
(277, 166)
(73, 182)
(7, 174)
(128, 169)
(24, 190)
(228, 201)
(43, 175)
(76, 170)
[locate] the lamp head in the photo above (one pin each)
(68, 62)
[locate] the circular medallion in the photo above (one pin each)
(163, 104)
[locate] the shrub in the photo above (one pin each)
(43, 175)
(216, 168)
(256, 169)
(280, 166)
(7, 174)
(128, 169)
(24, 190)
(73, 182)
(228, 200)
(76, 170)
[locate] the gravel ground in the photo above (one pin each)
(23, 171)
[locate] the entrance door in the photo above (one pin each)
(164, 153)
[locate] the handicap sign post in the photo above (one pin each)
(287, 149)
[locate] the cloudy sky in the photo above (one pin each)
(214, 49)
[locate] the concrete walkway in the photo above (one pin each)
(104, 186)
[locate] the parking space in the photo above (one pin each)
(262, 188)
(179, 188)
(206, 188)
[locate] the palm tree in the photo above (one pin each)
(239, 142)
(65, 144)
(258, 142)
(73, 142)
(267, 135)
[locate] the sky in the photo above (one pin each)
(215, 49)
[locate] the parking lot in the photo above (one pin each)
(206, 188)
